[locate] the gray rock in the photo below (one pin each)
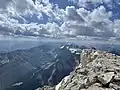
(106, 78)
(95, 66)
(114, 86)
(46, 88)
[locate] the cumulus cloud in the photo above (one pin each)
(95, 23)
(90, 4)
(100, 14)
(24, 18)
(71, 14)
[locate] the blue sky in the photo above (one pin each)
(83, 19)
(91, 6)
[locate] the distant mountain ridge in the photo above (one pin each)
(42, 65)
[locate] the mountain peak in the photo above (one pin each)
(98, 70)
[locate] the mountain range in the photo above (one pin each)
(38, 66)
(46, 64)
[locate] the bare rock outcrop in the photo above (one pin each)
(46, 88)
(98, 70)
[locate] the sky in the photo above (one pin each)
(79, 19)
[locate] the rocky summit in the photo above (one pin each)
(97, 70)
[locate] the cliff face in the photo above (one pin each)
(51, 63)
(98, 70)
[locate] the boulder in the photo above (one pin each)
(106, 78)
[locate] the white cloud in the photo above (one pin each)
(83, 12)
(96, 23)
(71, 14)
(100, 14)
(21, 18)
(90, 4)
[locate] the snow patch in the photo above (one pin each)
(17, 84)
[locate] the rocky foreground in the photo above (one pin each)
(98, 70)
